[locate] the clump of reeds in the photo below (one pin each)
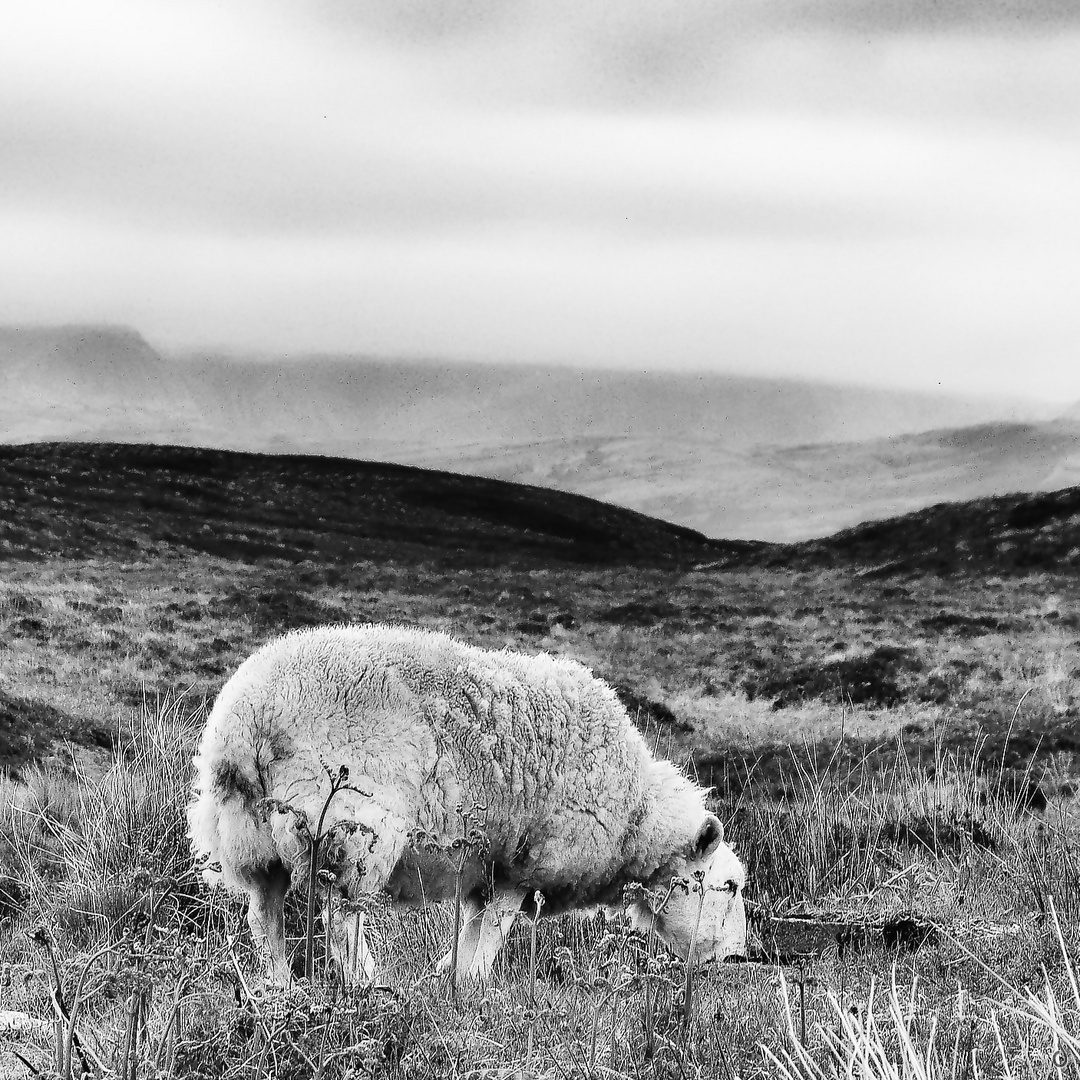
(858, 1039)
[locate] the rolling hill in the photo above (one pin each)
(727, 456)
(1019, 533)
(109, 501)
(83, 500)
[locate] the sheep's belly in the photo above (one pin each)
(423, 877)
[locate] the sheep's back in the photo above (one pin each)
(533, 748)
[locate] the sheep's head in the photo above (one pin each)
(703, 919)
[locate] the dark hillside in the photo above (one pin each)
(88, 500)
(107, 501)
(1010, 534)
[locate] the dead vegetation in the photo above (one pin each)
(131, 969)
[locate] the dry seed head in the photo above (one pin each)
(362, 903)
(266, 807)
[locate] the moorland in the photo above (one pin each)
(889, 717)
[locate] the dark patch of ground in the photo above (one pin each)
(871, 679)
(793, 941)
(940, 834)
(29, 730)
(275, 610)
(638, 613)
(649, 715)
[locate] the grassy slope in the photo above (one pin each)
(107, 501)
(1021, 533)
(792, 689)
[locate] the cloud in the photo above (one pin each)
(179, 146)
(445, 21)
(771, 185)
(905, 16)
(992, 316)
(676, 52)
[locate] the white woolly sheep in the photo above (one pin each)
(541, 754)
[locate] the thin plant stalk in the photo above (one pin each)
(538, 901)
(336, 783)
(172, 1029)
(70, 1038)
(688, 985)
(454, 944)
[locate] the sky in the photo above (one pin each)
(872, 191)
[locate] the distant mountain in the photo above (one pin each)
(727, 456)
(74, 360)
(469, 409)
(90, 382)
(815, 490)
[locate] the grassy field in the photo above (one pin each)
(897, 751)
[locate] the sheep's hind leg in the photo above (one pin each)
(472, 910)
(266, 917)
(495, 923)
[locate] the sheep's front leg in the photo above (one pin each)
(362, 866)
(266, 919)
(483, 935)
(349, 945)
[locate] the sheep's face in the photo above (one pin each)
(708, 921)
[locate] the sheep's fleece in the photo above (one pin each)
(533, 755)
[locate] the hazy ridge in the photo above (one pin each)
(729, 456)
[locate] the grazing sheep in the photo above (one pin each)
(532, 754)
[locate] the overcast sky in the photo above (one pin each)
(870, 190)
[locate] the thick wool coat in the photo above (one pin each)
(439, 736)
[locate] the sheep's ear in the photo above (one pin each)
(710, 836)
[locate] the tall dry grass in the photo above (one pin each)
(153, 976)
(85, 847)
